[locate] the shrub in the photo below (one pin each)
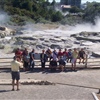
(57, 16)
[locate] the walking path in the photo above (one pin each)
(69, 85)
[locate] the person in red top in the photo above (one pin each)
(60, 53)
(18, 54)
(65, 53)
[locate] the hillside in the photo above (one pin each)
(42, 11)
(36, 10)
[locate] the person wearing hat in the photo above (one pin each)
(15, 72)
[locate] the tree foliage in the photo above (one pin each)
(92, 11)
(35, 9)
(75, 9)
(57, 16)
(38, 10)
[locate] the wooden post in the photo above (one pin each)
(86, 61)
(99, 91)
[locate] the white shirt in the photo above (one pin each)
(15, 65)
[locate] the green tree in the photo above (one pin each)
(35, 9)
(75, 9)
(57, 16)
(92, 10)
(53, 4)
(27, 5)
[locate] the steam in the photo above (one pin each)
(31, 29)
(4, 18)
(62, 30)
(88, 27)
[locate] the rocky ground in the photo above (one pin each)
(42, 36)
(74, 85)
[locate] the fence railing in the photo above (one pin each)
(89, 62)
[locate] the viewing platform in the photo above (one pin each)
(90, 63)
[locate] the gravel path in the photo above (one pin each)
(58, 92)
(72, 85)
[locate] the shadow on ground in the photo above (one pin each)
(1, 91)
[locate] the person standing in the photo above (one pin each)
(15, 72)
(74, 58)
(53, 65)
(65, 55)
(60, 53)
(55, 55)
(49, 53)
(43, 58)
(32, 55)
(81, 56)
(26, 60)
(62, 63)
(18, 54)
(69, 55)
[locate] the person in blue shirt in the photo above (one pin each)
(69, 55)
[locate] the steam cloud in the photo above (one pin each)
(4, 18)
(88, 27)
(62, 30)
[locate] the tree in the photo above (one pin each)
(57, 16)
(92, 10)
(35, 9)
(53, 4)
(75, 9)
(26, 5)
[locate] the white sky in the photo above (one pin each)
(83, 1)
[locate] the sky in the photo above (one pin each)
(83, 1)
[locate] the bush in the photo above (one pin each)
(18, 20)
(40, 10)
(57, 16)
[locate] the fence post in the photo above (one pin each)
(86, 61)
(99, 91)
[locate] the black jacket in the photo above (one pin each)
(43, 58)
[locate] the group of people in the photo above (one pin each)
(54, 57)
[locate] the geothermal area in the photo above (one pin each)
(54, 36)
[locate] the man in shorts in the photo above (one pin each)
(74, 59)
(15, 68)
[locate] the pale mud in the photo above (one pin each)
(47, 35)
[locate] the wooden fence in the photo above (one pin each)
(89, 63)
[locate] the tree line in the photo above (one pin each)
(38, 10)
(34, 9)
